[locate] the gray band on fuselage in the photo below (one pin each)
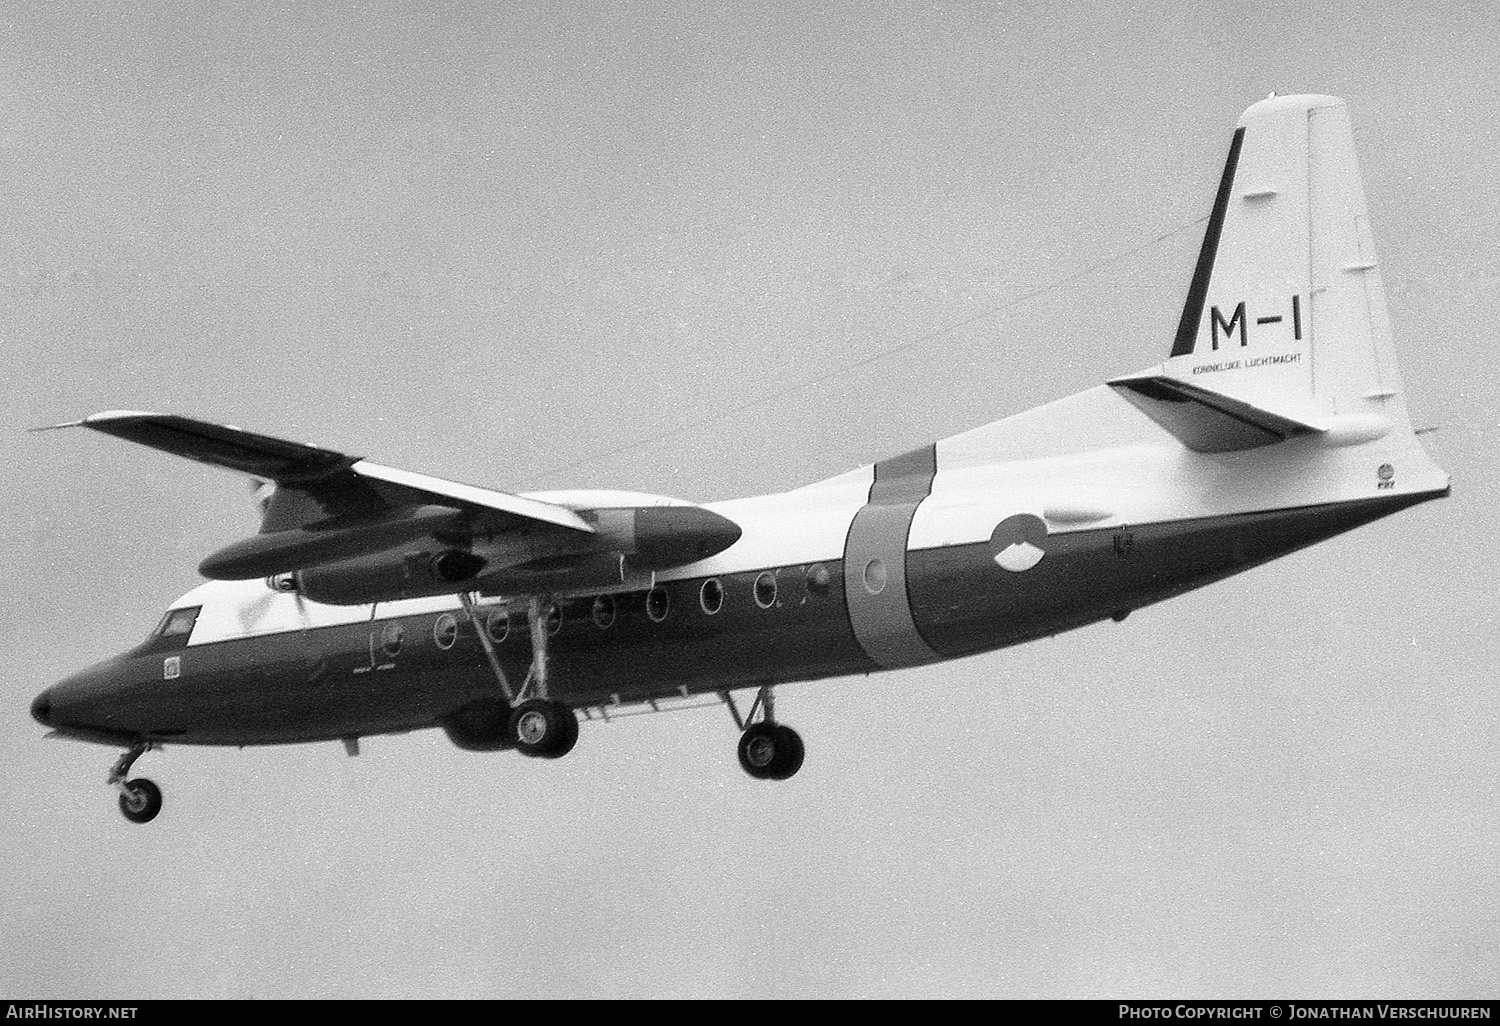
(875, 562)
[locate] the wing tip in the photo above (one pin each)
(96, 418)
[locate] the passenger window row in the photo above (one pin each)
(658, 604)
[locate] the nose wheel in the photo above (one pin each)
(140, 799)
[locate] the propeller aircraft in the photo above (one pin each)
(375, 600)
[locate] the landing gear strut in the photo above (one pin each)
(768, 750)
(140, 799)
(539, 725)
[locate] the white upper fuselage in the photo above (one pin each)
(1088, 462)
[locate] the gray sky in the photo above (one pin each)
(645, 246)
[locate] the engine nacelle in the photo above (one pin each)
(387, 577)
(628, 545)
(407, 572)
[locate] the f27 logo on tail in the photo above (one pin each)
(1238, 321)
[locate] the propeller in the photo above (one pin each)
(251, 613)
(262, 490)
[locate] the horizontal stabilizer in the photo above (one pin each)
(1207, 421)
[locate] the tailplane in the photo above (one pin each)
(1284, 331)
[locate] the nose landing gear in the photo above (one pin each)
(768, 750)
(140, 799)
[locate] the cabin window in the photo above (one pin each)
(553, 618)
(711, 596)
(498, 624)
(658, 602)
(818, 579)
(390, 637)
(445, 631)
(765, 589)
(875, 577)
(604, 611)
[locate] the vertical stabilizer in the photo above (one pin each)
(1286, 311)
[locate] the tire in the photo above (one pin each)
(544, 728)
(144, 802)
(770, 751)
(789, 752)
(568, 738)
(758, 750)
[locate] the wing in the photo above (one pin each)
(327, 505)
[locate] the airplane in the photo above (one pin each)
(376, 600)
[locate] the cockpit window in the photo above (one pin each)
(178, 623)
(172, 633)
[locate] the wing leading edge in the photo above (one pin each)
(355, 532)
(328, 505)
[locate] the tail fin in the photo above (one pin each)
(1285, 329)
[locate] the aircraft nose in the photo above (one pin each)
(41, 708)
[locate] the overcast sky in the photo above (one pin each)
(664, 247)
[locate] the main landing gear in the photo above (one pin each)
(542, 727)
(545, 729)
(140, 799)
(768, 750)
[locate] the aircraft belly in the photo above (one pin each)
(965, 600)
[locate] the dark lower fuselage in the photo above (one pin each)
(390, 674)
